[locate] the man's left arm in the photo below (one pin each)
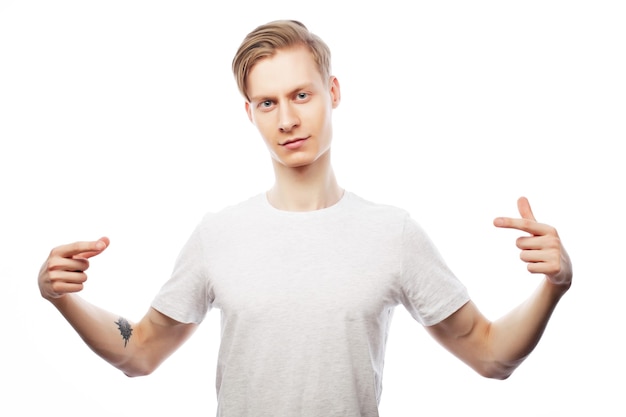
(496, 348)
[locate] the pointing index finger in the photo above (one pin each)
(86, 249)
(526, 223)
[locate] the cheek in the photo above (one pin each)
(323, 119)
(318, 117)
(263, 125)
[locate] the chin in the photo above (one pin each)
(297, 164)
(301, 159)
(296, 161)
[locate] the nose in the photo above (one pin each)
(288, 118)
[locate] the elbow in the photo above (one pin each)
(137, 371)
(135, 374)
(499, 374)
(498, 370)
(138, 367)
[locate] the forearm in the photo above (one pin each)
(110, 336)
(135, 349)
(495, 349)
(514, 336)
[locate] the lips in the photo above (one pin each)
(294, 140)
(294, 143)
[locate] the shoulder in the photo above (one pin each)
(376, 217)
(376, 209)
(253, 204)
(232, 215)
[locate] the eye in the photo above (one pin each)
(302, 96)
(266, 104)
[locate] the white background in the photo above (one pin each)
(121, 118)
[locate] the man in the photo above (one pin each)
(307, 274)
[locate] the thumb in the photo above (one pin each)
(524, 209)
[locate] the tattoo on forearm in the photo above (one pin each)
(125, 329)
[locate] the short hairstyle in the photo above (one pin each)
(264, 41)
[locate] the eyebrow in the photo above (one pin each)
(262, 97)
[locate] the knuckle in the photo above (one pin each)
(551, 231)
(523, 255)
(526, 223)
(57, 287)
(52, 264)
(551, 241)
(56, 251)
(54, 277)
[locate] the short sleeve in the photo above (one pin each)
(430, 290)
(185, 296)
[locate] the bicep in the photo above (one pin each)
(158, 336)
(465, 334)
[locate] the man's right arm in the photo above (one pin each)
(134, 348)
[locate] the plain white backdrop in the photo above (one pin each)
(122, 118)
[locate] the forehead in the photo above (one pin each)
(286, 70)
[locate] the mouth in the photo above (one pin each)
(294, 143)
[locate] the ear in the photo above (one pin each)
(335, 92)
(249, 111)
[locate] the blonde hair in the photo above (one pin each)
(265, 40)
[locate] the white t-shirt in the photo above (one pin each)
(306, 300)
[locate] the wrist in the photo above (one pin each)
(559, 286)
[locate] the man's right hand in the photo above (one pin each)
(64, 270)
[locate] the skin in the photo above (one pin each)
(495, 349)
(290, 102)
(154, 337)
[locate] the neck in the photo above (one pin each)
(306, 188)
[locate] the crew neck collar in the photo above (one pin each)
(337, 206)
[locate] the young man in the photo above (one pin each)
(307, 274)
